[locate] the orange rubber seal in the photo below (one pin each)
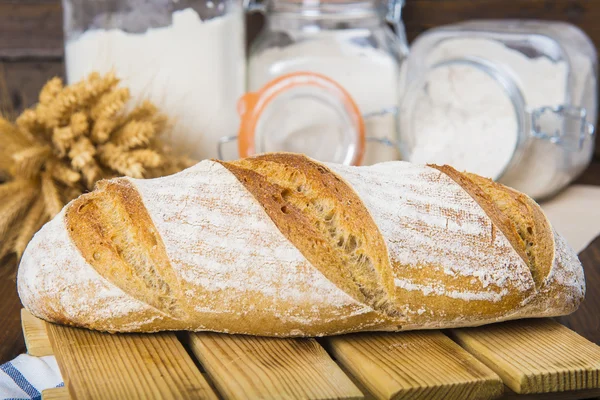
(251, 106)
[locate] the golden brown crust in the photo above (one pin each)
(516, 215)
(441, 309)
(116, 230)
(326, 220)
(536, 238)
(559, 285)
(116, 236)
(500, 220)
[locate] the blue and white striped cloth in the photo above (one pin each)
(25, 377)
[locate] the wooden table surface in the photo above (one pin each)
(585, 321)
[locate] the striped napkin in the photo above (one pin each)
(25, 377)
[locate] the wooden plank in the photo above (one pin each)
(415, 365)
(60, 393)
(572, 395)
(368, 395)
(243, 367)
(11, 334)
(424, 14)
(126, 366)
(36, 337)
(535, 356)
(30, 29)
(21, 82)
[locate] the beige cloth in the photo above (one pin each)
(575, 214)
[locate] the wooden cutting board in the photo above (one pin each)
(527, 359)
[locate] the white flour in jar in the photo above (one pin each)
(462, 117)
(193, 70)
(369, 75)
(465, 118)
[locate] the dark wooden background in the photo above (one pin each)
(31, 52)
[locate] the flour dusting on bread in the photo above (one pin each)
(75, 292)
(232, 256)
(225, 260)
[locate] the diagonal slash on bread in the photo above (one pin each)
(323, 217)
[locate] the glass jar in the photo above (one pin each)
(512, 100)
(347, 42)
(186, 56)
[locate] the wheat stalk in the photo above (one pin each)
(73, 137)
(134, 134)
(82, 153)
(51, 90)
(28, 162)
(52, 200)
(7, 245)
(12, 207)
(15, 186)
(62, 173)
(33, 221)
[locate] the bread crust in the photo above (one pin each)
(559, 281)
(325, 219)
(113, 232)
(452, 264)
(211, 249)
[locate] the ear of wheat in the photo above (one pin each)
(75, 136)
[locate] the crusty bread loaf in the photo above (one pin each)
(283, 245)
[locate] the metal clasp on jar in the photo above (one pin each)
(563, 125)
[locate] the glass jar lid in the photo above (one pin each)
(302, 112)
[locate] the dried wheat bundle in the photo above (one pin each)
(75, 136)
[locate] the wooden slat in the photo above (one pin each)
(243, 367)
(415, 365)
(60, 393)
(30, 29)
(424, 14)
(21, 82)
(11, 337)
(36, 337)
(98, 365)
(368, 395)
(572, 395)
(535, 356)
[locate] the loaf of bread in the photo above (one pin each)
(282, 245)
